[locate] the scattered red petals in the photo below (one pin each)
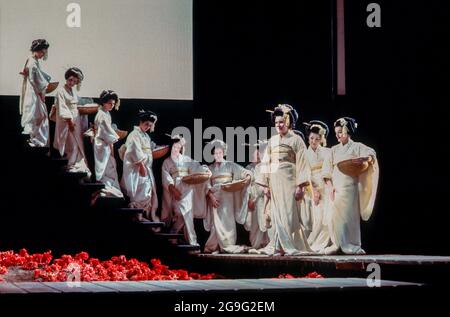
(309, 275)
(83, 268)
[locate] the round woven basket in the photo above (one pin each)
(51, 87)
(160, 152)
(235, 186)
(122, 134)
(87, 109)
(196, 178)
(349, 168)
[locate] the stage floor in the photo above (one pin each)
(365, 259)
(196, 286)
(413, 268)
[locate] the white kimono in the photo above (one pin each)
(65, 141)
(319, 237)
(32, 108)
(140, 189)
(256, 220)
(354, 197)
(105, 163)
(193, 197)
(285, 168)
(221, 221)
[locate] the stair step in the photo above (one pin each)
(131, 211)
(38, 150)
(59, 161)
(188, 247)
(74, 175)
(151, 224)
(91, 186)
(170, 235)
(109, 202)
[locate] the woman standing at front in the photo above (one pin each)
(285, 175)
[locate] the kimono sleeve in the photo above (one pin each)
(262, 178)
(327, 167)
(302, 168)
(60, 103)
(240, 172)
(37, 79)
(365, 151)
(107, 133)
(134, 150)
(165, 174)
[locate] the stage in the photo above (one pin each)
(195, 286)
(412, 268)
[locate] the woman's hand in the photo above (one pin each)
(251, 205)
(142, 170)
(41, 96)
(213, 200)
(299, 193)
(267, 192)
(25, 72)
(316, 196)
(176, 194)
(332, 193)
(71, 125)
(360, 160)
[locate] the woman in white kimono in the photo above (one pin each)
(181, 200)
(285, 175)
(105, 137)
(68, 132)
(315, 197)
(225, 208)
(137, 178)
(32, 99)
(351, 198)
(256, 217)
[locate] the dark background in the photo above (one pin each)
(251, 55)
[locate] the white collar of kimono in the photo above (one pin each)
(319, 147)
(137, 128)
(350, 142)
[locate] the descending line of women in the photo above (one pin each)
(292, 199)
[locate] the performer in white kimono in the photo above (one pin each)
(256, 217)
(352, 198)
(180, 200)
(137, 179)
(32, 99)
(225, 208)
(316, 197)
(285, 175)
(105, 137)
(68, 132)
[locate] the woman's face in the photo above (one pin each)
(40, 54)
(280, 125)
(314, 140)
(341, 136)
(72, 81)
(218, 154)
(176, 149)
(107, 106)
(147, 125)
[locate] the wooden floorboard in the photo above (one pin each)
(197, 286)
